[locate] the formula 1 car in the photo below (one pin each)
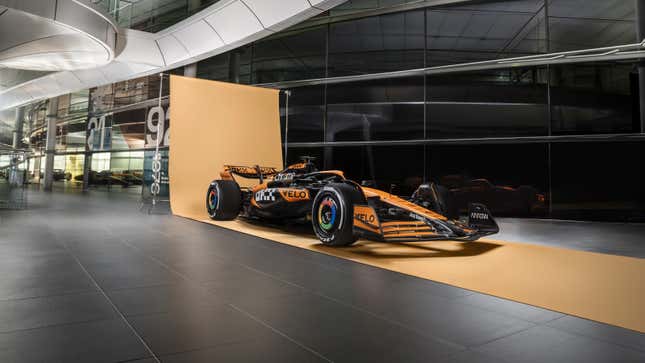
(339, 209)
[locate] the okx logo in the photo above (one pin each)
(265, 195)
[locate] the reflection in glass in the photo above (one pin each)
(470, 33)
(512, 180)
(376, 110)
(306, 114)
(493, 103)
(594, 98)
(290, 56)
(151, 15)
(398, 169)
(377, 44)
(578, 24)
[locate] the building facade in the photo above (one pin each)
(550, 140)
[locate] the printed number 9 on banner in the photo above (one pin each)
(161, 117)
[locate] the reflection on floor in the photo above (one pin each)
(565, 280)
(90, 278)
(628, 239)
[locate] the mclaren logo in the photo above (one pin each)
(265, 195)
(479, 215)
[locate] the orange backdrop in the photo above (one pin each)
(217, 123)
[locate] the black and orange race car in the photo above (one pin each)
(339, 209)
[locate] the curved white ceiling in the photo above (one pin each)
(226, 25)
(54, 36)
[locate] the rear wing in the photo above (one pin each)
(251, 172)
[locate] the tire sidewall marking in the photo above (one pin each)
(343, 211)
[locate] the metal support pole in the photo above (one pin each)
(190, 70)
(286, 127)
(50, 148)
(87, 168)
(18, 133)
(640, 33)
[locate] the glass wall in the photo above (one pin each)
(377, 44)
(594, 98)
(541, 141)
(7, 127)
(471, 33)
(598, 181)
(151, 15)
(124, 121)
(485, 135)
(579, 24)
(492, 103)
(110, 127)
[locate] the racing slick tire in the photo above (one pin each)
(223, 200)
(332, 214)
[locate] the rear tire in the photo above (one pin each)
(223, 200)
(332, 214)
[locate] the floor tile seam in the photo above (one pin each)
(214, 345)
(354, 307)
(479, 345)
(201, 349)
(208, 347)
(137, 287)
(456, 354)
(347, 305)
(343, 272)
(340, 259)
(250, 316)
(134, 359)
(116, 309)
(119, 289)
(49, 326)
(595, 338)
(80, 292)
(279, 332)
(457, 300)
(384, 318)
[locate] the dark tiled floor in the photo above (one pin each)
(89, 278)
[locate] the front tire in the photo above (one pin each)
(223, 200)
(332, 214)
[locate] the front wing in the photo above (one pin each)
(409, 225)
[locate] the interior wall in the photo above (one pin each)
(214, 124)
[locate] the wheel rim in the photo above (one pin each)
(327, 214)
(212, 199)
